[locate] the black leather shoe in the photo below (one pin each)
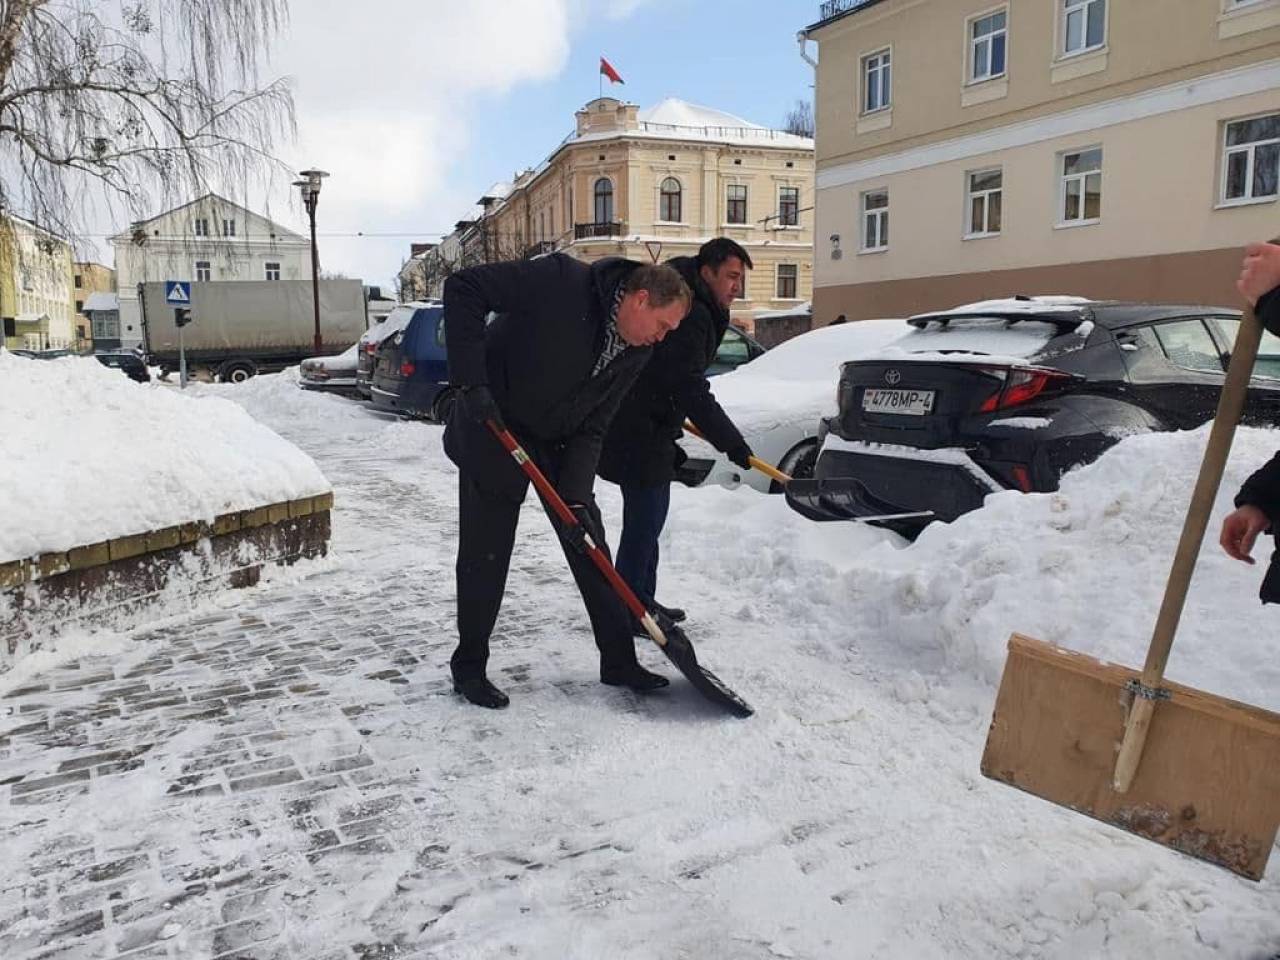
(674, 614)
(481, 692)
(635, 678)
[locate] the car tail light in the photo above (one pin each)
(1022, 477)
(371, 348)
(1022, 384)
(844, 395)
(407, 368)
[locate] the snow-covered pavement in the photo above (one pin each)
(284, 773)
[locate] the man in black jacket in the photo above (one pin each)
(640, 452)
(1258, 502)
(567, 342)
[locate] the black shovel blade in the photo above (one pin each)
(680, 652)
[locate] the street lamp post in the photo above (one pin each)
(310, 188)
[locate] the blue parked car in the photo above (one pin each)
(410, 374)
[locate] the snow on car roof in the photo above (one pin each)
(395, 321)
(819, 353)
(1053, 303)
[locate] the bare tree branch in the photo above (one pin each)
(799, 120)
(138, 103)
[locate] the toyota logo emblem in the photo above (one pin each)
(892, 377)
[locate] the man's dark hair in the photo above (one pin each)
(663, 284)
(715, 252)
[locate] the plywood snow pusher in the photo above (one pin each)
(669, 638)
(1184, 768)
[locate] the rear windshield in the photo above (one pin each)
(987, 337)
(396, 321)
(426, 334)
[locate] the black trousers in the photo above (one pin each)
(486, 536)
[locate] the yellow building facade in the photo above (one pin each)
(656, 184)
(36, 308)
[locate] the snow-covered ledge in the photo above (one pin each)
(113, 493)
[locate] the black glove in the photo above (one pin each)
(741, 455)
(477, 403)
(576, 535)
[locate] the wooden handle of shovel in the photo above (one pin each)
(1230, 408)
(770, 471)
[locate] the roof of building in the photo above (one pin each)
(833, 10)
(676, 119)
(100, 300)
(280, 232)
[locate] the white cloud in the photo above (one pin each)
(384, 91)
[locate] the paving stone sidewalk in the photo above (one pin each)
(227, 787)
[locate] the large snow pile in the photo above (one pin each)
(1084, 567)
(90, 455)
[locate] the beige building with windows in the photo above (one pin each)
(89, 278)
(659, 183)
(209, 239)
(969, 149)
(36, 311)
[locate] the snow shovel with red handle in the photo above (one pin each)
(1187, 769)
(669, 638)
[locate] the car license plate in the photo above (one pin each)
(915, 403)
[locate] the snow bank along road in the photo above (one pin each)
(286, 774)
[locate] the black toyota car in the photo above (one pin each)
(1010, 394)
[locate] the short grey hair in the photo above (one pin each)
(663, 284)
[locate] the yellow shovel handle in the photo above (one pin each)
(770, 471)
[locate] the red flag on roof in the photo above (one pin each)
(607, 69)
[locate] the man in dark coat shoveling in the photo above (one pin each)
(566, 342)
(640, 452)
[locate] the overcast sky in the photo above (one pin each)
(415, 107)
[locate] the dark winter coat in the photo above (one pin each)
(641, 448)
(537, 355)
(1262, 490)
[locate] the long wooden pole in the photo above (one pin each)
(1230, 409)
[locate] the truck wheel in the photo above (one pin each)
(237, 371)
(443, 405)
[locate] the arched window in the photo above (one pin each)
(604, 200)
(669, 208)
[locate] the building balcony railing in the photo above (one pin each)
(833, 8)
(539, 248)
(589, 231)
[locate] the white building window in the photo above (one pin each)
(202, 227)
(228, 227)
(604, 200)
(875, 220)
(737, 204)
(1251, 159)
(786, 283)
(273, 271)
(788, 206)
(877, 82)
(203, 273)
(669, 196)
(1081, 194)
(985, 202)
(1084, 25)
(987, 39)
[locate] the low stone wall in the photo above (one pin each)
(104, 581)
